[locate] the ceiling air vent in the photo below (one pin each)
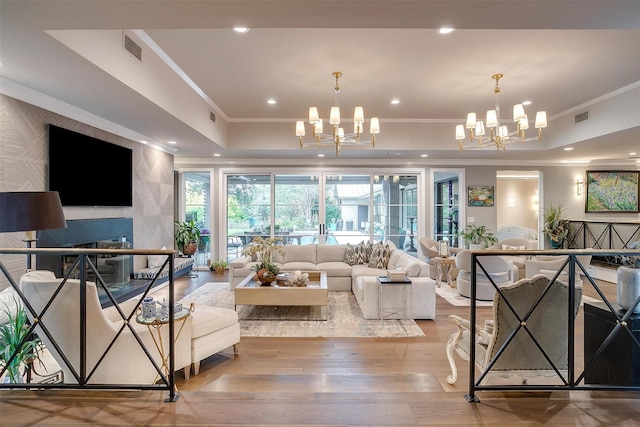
(131, 47)
(582, 117)
(212, 117)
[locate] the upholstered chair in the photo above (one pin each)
(514, 244)
(547, 324)
(501, 272)
(550, 265)
(125, 362)
(429, 250)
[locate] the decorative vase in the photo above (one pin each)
(190, 248)
(220, 270)
(628, 287)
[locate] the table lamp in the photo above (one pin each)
(30, 211)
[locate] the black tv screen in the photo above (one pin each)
(87, 171)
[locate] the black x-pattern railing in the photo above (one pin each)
(603, 235)
(83, 264)
(569, 383)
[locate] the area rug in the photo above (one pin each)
(452, 296)
(344, 318)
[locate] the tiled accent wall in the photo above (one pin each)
(23, 167)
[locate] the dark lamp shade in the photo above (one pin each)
(33, 210)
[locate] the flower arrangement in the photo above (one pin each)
(556, 226)
(264, 249)
(298, 278)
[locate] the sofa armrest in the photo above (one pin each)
(240, 262)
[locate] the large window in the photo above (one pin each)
(197, 194)
(447, 209)
(322, 208)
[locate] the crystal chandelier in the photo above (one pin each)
(499, 135)
(337, 137)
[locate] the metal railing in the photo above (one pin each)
(587, 234)
(575, 380)
(82, 266)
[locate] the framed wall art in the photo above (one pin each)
(480, 195)
(611, 191)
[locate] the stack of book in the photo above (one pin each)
(394, 275)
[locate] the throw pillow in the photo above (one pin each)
(154, 261)
(361, 253)
(379, 256)
(350, 254)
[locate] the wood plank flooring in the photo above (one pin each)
(325, 382)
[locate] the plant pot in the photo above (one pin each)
(555, 245)
(265, 276)
(628, 287)
(475, 246)
(220, 270)
(190, 248)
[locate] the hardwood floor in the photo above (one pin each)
(325, 382)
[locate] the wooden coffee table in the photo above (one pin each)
(250, 292)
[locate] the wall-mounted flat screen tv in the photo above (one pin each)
(87, 171)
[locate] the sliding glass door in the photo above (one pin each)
(322, 208)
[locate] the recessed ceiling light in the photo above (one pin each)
(394, 101)
(241, 29)
(271, 101)
(527, 102)
(172, 142)
(144, 142)
(424, 155)
(568, 148)
(320, 155)
(446, 30)
(216, 154)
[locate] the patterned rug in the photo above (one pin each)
(344, 318)
(452, 296)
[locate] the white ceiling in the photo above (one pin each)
(565, 56)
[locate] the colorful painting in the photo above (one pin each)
(612, 191)
(480, 195)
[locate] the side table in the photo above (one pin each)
(406, 309)
(157, 323)
(619, 363)
(444, 266)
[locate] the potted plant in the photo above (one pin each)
(12, 334)
(628, 280)
(219, 266)
(187, 236)
(266, 269)
(556, 225)
(477, 236)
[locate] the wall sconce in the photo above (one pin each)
(579, 186)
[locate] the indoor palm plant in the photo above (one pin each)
(12, 333)
(187, 236)
(478, 235)
(265, 268)
(556, 225)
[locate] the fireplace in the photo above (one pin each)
(106, 233)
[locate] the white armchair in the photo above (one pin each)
(515, 244)
(429, 249)
(552, 265)
(500, 271)
(547, 324)
(125, 362)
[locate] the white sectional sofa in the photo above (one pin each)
(332, 259)
(343, 276)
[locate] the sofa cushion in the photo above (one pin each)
(300, 253)
(299, 265)
(513, 248)
(379, 257)
(330, 253)
(208, 319)
(335, 268)
(365, 270)
(408, 264)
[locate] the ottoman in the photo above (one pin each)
(214, 329)
(423, 297)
